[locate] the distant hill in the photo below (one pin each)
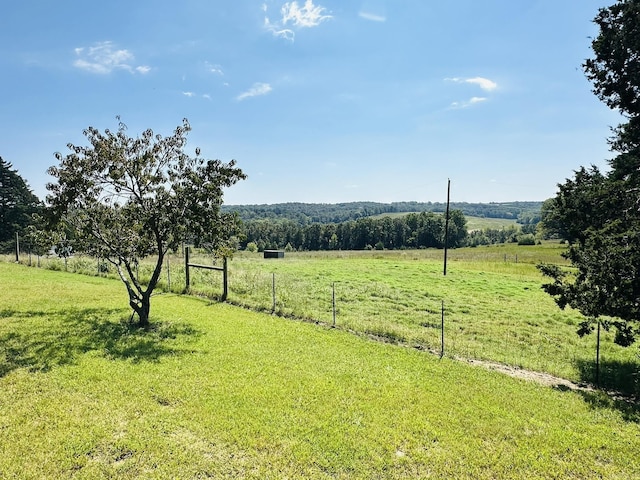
(306, 213)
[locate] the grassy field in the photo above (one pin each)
(473, 223)
(494, 307)
(214, 391)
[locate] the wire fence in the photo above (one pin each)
(385, 309)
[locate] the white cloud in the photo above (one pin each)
(484, 83)
(372, 16)
(309, 15)
(206, 96)
(293, 15)
(256, 90)
(103, 58)
(277, 31)
(216, 69)
(469, 103)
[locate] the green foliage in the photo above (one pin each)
(413, 230)
(17, 205)
(615, 68)
(527, 239)
(128, 198)
(255, 396)
(307, 213)
(598, 213)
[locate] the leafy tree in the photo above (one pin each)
(17, 203)
(128, 198)
(598, 213)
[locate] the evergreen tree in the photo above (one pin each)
(17, 205)
(598, 213)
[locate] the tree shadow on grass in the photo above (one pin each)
(619, 382)
(42, 340)
(615, 375)
(629, 408)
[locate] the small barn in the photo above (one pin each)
(274, 254)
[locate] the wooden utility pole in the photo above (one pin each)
(446, 227)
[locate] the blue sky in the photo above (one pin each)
(319, 101)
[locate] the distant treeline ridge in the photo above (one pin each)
(525, 213)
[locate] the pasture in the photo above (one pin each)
(215, 391)
(473, 223)
(494, 308)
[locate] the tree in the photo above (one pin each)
(598, 213)
(17, 203)
(128, 198)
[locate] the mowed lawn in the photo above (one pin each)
(215, 391)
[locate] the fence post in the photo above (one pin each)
(186, 267)
(333, 299)
(168, 275)
(17, 248)
(442, 332)
(598, 357)
(273, 292)
(225, 283)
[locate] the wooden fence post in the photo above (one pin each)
(273, 292)
(225, 281)
(186, 267)
(168, 275)
(333, 301)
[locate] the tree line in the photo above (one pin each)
(526, 213)
(414, 230)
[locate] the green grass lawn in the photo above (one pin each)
(214, 391)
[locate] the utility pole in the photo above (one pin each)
(446, 227)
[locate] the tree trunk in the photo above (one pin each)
(142, 309)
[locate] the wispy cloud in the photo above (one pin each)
(214, 68)
(469, 103)
(294, 16)
(103, 58)
(484, 83)
(372, 16)
(206, 96)
(256, 90)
